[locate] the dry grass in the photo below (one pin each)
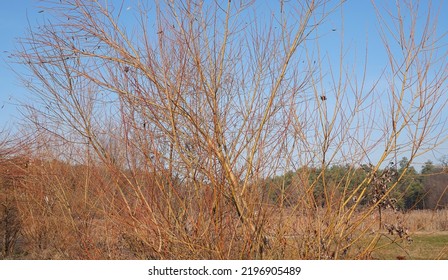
(425, 246)
(427, 230)
(427, 221)
(75, 212)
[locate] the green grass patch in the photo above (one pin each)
(425, 246)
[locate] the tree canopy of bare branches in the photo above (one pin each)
(205, 100)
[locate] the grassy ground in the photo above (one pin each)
(425, 246)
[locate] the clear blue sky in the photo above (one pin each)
(359, 26)
(13, 23)
(17, 15)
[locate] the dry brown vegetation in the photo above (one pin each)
(53, 210)
(427, 221)
(157, 143)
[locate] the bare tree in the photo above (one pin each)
(196, 104)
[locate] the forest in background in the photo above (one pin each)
(424, 189)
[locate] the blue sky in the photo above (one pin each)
(359, 26)
(17, 15)
(13, 23)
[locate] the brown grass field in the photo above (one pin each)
(54, 211)
(429, 231)
(291, 234)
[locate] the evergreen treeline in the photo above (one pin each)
(424, 189)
